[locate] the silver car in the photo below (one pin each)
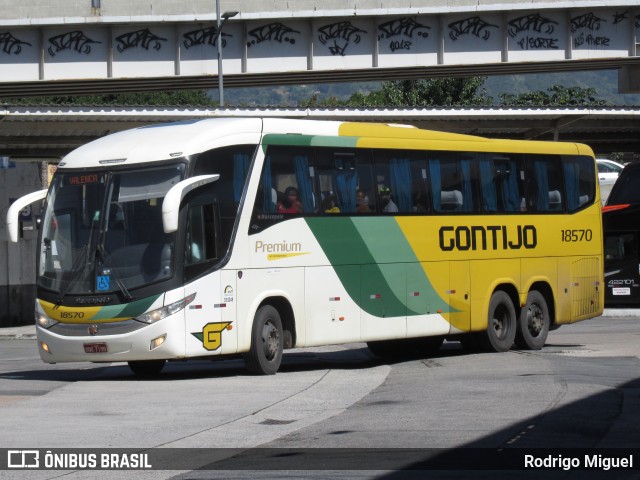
(608, 172)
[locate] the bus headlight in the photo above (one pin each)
(160, 313)
(44, 321)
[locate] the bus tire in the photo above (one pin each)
(501, 325)
(147, 368)
(265, 354)
(533, 323)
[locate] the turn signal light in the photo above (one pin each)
(156, 342)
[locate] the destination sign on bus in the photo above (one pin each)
(83, 179)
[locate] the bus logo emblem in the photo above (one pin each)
(211, 335)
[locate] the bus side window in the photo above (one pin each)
(287, 170)
(499, 179)
(342, 172)
(364, 170)
(545, 183)
(394, 180)
(232, 164)
(452, 184)
(200, 241)
(420, 189)
(579, 181)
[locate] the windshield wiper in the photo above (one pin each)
(106, 259)
(83, 257)
(86, 256)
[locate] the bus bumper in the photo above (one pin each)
(152, 342)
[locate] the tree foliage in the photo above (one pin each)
(436, 92)
(556, 95)
(464, 92)
(168, 98)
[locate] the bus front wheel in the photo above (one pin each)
(501, 328)
(147, 368)
(265, 354)
(533, 323)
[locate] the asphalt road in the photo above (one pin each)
(582, 390)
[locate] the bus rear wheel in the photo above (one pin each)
(265, 354)
(533, 323)
(501, 328)
(147, 368)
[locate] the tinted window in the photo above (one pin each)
(200, 244)
(579, 181)
(620, 246)
(544, 183)
(232, 164)
(501, 182)
(401, 177)
(626, 188)
(451, 177)
(344, 180)
(287, 182)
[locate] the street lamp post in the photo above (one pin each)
(220, 22)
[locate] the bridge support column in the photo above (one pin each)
(629, 79)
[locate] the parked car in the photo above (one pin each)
(608, 172)
(621, 223)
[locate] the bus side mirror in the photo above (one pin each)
(13, 215)
(173, 198)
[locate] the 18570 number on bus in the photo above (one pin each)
(577, 235)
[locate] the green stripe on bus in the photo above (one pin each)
(386, 241)
(308, 140)
(129, 310)
(389, 269)
(347, 142)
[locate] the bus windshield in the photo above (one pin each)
(102, 232)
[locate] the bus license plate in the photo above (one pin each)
(95, 348)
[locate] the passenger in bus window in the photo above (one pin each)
(387, 205)
(290, 202)
(362, 202)
(330, 204)
(421, 203)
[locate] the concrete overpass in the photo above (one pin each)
(67, 47)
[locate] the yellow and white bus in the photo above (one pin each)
(249, 236)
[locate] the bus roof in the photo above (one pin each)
(188, 137)
(158, 142)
